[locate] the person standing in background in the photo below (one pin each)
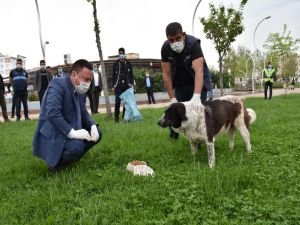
(95, 90)
(269, 76)
(122, 80)
(42, 80)
(2, 100)
(18, 78)
(148, 82)
(61, 72)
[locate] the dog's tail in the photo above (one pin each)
(252, 115)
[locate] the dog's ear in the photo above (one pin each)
(181, 111)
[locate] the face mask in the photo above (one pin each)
(95, 69)
(177, 46)
(122, 56)
(19, 66)
(59, 70)
(270, 67)
(43, 67)
(82, 88)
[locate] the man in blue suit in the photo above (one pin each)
(65, 130)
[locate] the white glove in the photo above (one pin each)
(173, 100)
(196, 98)
(94, 133)
(79, 134)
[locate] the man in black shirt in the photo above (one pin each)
(122, 80)
(185, 72)
(42, 79)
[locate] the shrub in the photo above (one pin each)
(33, 97)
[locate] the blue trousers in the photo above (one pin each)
(75, 149)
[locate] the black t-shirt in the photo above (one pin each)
(182, 76)
(44, 80)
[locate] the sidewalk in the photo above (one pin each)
(34, 114)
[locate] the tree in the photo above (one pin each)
(223, 26)
(282, 48)
(239, 63)
(103, 73)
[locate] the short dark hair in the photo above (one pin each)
(42, 62)
(121, 50)
(269, 62)
(173, 29)
(80, 64)
(19, 60)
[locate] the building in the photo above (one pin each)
(7, 63)
(137, 63)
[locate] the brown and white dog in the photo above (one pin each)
(201, 123)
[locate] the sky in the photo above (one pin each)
(136, 25)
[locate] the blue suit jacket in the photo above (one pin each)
(61, 110)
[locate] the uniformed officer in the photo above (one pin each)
(269, 76)
(18, 78)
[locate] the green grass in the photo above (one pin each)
(260, 188)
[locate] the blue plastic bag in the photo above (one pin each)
(131, 111)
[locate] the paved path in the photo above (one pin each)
(163, 103)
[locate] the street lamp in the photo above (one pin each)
(44, 47)
(268, 17)
(255, 48)
(195, 15)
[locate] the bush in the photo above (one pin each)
(139, 75)
(33, 97)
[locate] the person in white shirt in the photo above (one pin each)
(95, 90)
(148, 82)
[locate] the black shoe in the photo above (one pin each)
(18, 119)
(27, 118)
(12, 116)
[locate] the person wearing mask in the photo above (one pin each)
(148, 82)
(42, 80)
(2, 100)
(95, 90)
(122, 80)
(18, 78)
(61, 72)
(65, 131)
(185, 73)
(269, 77)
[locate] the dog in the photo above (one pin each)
(201, 123)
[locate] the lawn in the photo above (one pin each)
(260, 188)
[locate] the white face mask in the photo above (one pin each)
(43, 67)
(177, 46)
(82, 88)
(122, 56)
(19, 66)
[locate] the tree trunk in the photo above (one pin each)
(283, 75)
(221, 74)
(103, 75)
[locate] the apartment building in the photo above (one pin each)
(7, 63)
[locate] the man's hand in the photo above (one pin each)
(173, 100)
(196, 98)
(81, 134)
(94, 133)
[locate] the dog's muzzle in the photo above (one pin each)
(162, 122)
